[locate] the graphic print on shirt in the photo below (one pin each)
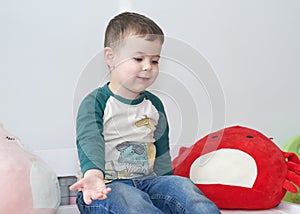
(134, 157)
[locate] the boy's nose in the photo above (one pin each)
(147, 66)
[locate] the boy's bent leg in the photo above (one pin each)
(175, 194)
(123, 199)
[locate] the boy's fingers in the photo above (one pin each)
(87, 198)
(100, 195)
(107, 190)
(97, 195)
(89, 195)
(77, 185)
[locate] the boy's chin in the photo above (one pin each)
(138, 87)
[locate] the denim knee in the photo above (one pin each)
(180, 195)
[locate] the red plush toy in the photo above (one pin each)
(239, 168)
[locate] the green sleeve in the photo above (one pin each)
(163, 163)
(89, 137)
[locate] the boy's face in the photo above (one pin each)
(134, 66)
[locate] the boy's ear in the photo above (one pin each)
(108, 56)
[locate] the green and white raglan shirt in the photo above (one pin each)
(123, 138)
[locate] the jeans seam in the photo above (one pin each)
(169, 199)
(98, 206)
(84, 205)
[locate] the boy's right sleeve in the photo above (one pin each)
(89, 137)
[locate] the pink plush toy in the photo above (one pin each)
(28, 185)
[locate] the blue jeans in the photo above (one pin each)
(150, 195)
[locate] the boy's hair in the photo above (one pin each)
(131, 24)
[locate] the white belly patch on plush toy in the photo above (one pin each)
(28, 185)
(233, 167)
(239, 168)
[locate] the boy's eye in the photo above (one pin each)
(139, 59)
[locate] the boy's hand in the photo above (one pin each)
(92, 186)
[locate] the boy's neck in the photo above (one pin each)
(129, 95)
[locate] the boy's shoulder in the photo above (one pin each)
(99, 93)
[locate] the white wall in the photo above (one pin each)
(253, 47)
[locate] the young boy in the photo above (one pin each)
(122, 132)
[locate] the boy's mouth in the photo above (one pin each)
(143, 78)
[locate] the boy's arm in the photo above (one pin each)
(163, 162)
(91, 148)
(89, 138)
